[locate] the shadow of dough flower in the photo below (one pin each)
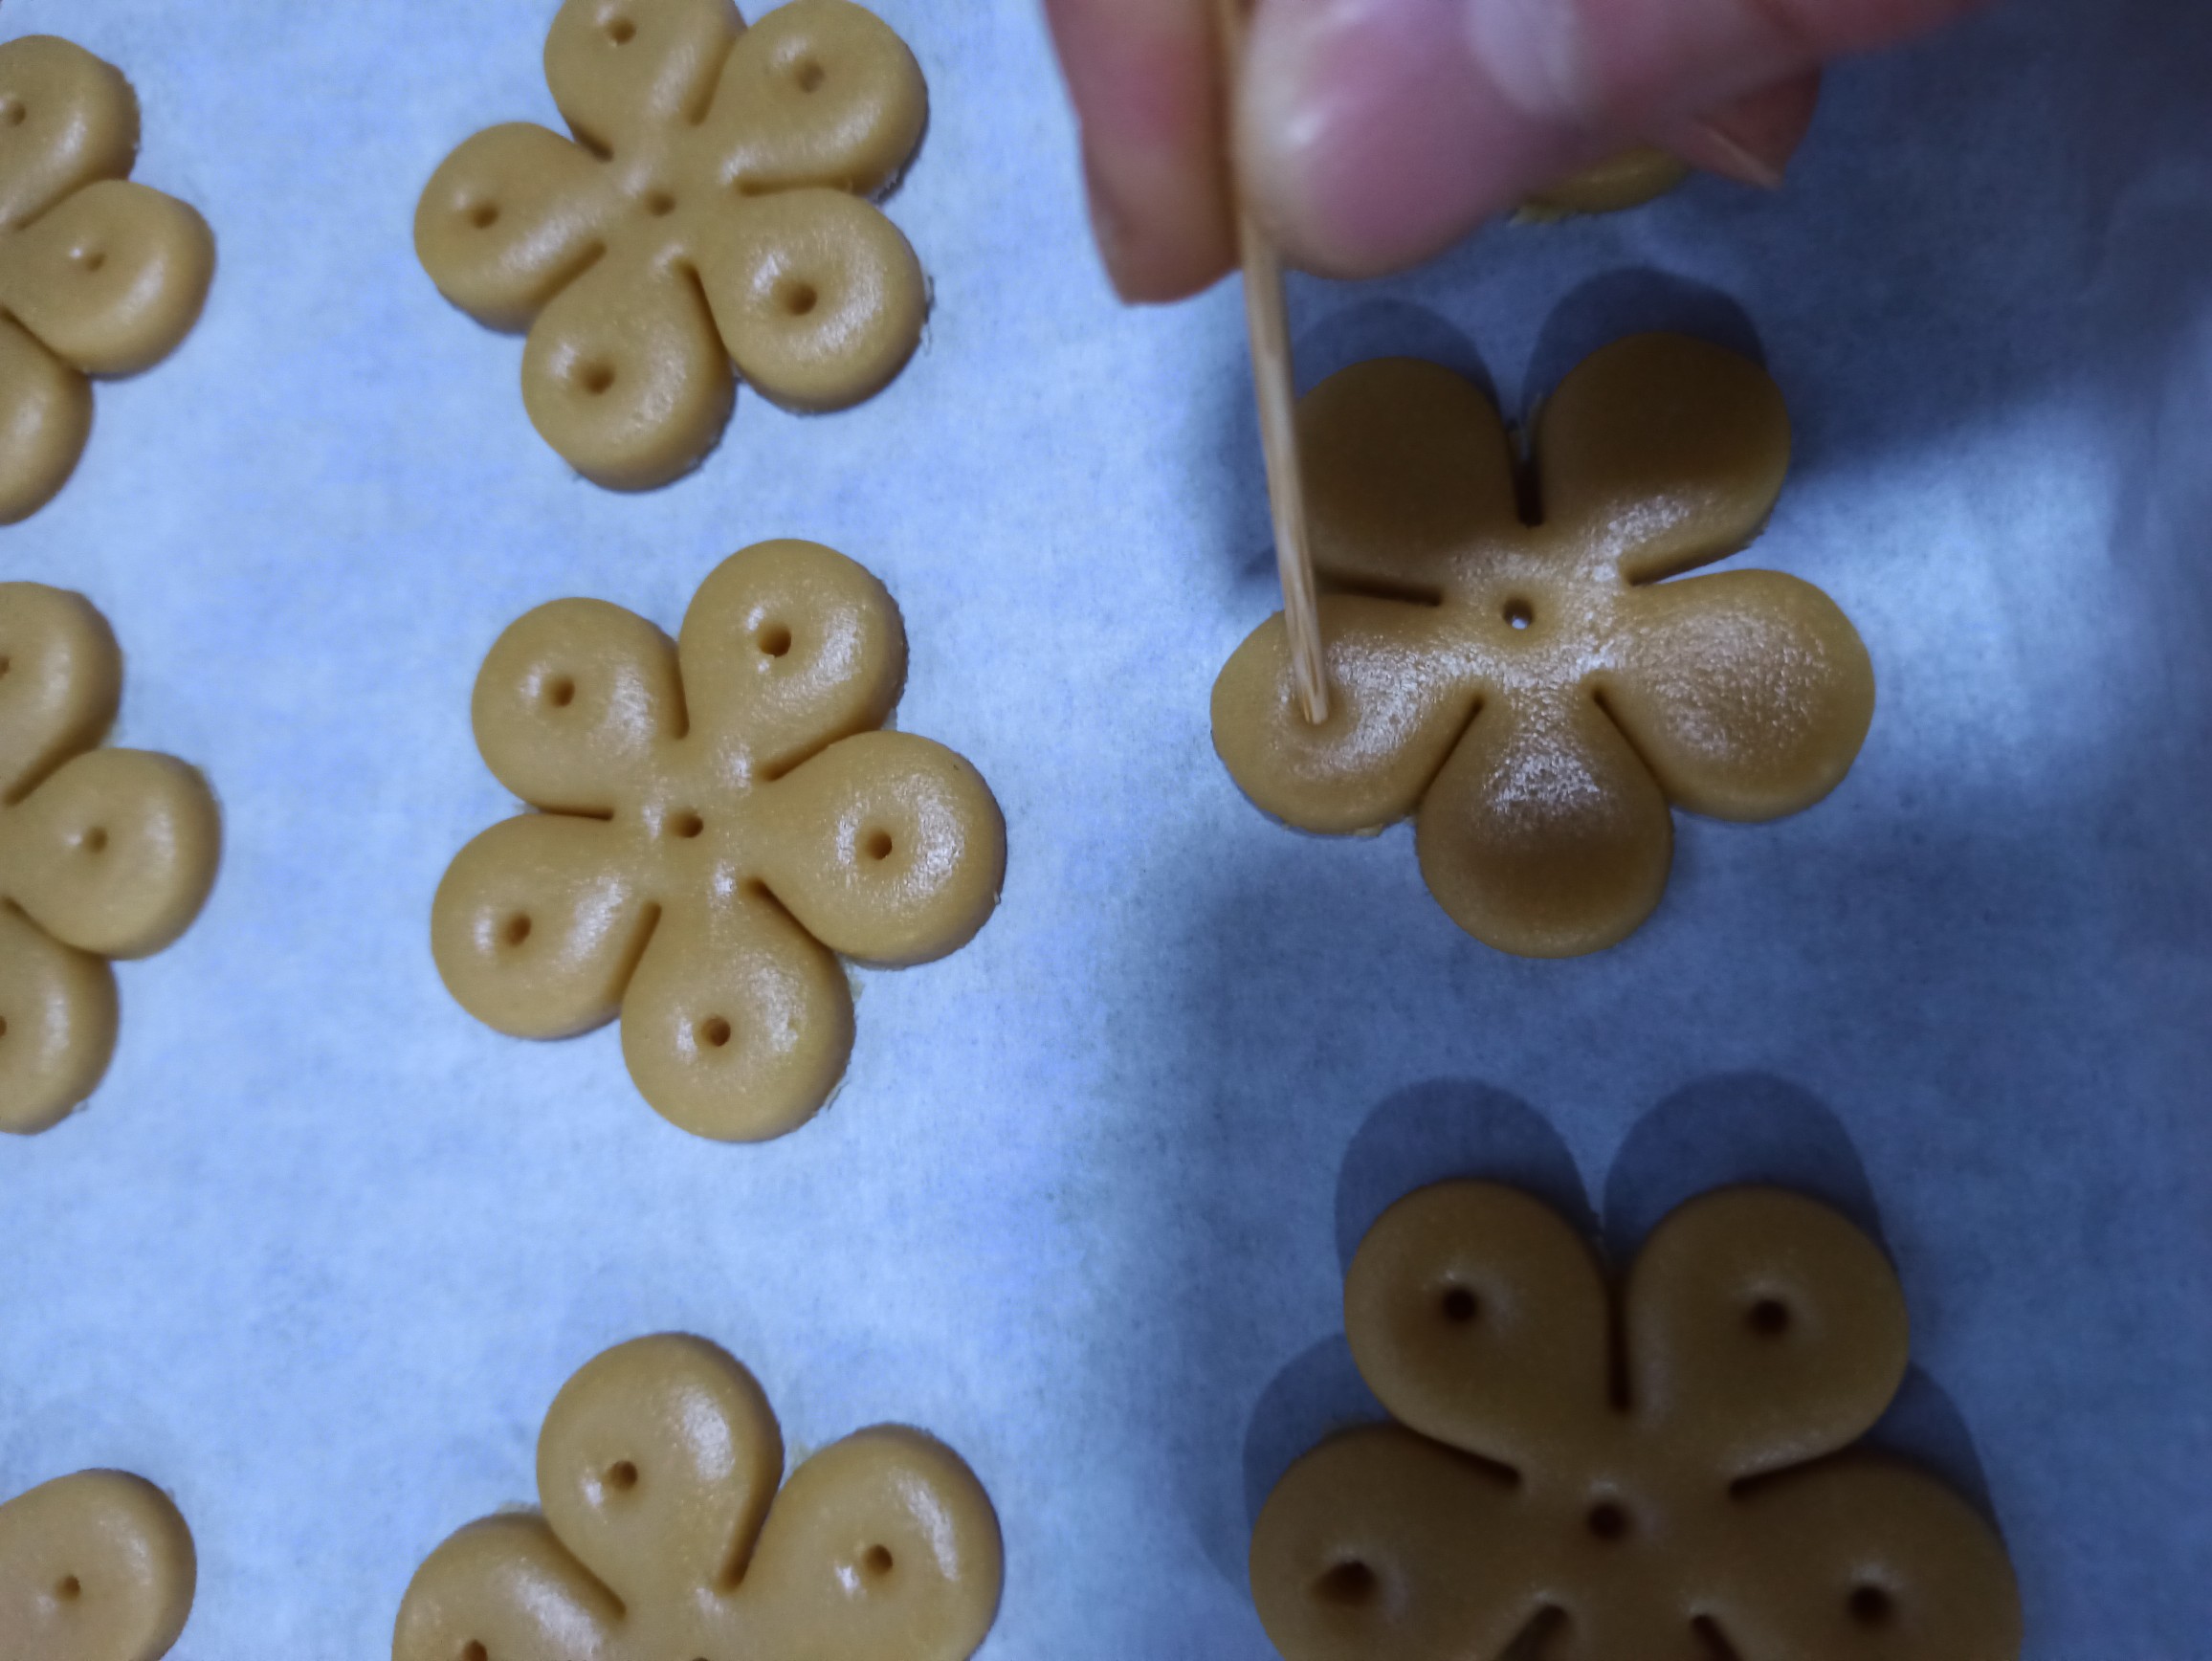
(663, 1534)
(1668, 1482)
(1532, 689)
(97, 1566)
(104, 854)
(97, 276)
(718, 818)
(711, 208)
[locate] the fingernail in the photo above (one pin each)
(1534, 55)
(1707, 145)
(1108, 224)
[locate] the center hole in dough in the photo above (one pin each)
(560, 692)
(795, 297)
(686, 824)
(1871, 1607)
(69, 1588)
(659, 203)
(1607, 1520)
(94, 840)
(3, 1025)
(1769, 1318)
(473, 1651)
(1459, 1305)
(3, 663)
(622, 1476)
(809, 75)
(714, 1032)
(774, 639)
(594, 377)
(1347, 1585)
(11, 113)
(484, 216)
(621, 30)
(1520, 614)
(516, 929)
(876, 845)
(876, 1561)
(88, 259)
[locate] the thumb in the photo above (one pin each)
(1373, 133)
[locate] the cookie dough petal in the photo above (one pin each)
(57, 1025)
(624, 375)
(1479, 1318)
(819, 92)
(818, 295)
(538, 924)
(887, 848)
(623, 70)
(118, 1546)
(788, 647)
(1627, 180)
(111, 279)
(1544, 835)
(573, 701)
(1747, 692)
(881, 1547)
(737, 1024)
(1762, 1330)
(61, 680)
(45, 418)
(1399, 697)
(1661, 452)
(1609, 1617)
(68, 121)
(508, 220)
(116, 852)
(504, 1587)
(1406, 472)
(1866, 1558)
(1379, 1542)
(656, 1463)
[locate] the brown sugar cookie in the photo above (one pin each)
(712, 208)
(1671, 1480)
(97, 276)
(104, 854)
(720, 818)
(1533, 690)
(93, 1568)
(1627, 180)
(663, 1536)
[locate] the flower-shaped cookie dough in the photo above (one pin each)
(712, 208)
(720, 818)
(1531, 687)
(104, 854)
(93, 1568)
(97, 276)
(1668, 1483)
(663, 1537)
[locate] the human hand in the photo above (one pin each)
(1370, 134)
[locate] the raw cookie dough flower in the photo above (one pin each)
(720, 817)
(663, 1534)
(1532, 689)
(97, 276)
(1668, 1483)
(711, 208)
(104, 854)
(97, 1566)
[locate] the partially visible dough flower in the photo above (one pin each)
(104, 854)
(97, 276)
(97, 1566)
(1532, 689)
(720, 817)
(710, 208)
(664, 1538)
(1670, 1481)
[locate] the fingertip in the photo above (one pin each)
(1160, 239)
(1752, 140)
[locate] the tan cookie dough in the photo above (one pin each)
(1671, 1481)
(104, 854)
(93, 1568)
(720, 817)
(711, 208)
(1536, 693)
(663, 1537)
(97, 276)
(1627, 180)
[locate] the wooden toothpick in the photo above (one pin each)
(1268, 320)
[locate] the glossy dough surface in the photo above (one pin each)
(720, 818)
(711, 208)
(93, 1568)
(1679, 1491)
(97, 276)
(104, 854)
(1536, 694)
(663, 1536)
